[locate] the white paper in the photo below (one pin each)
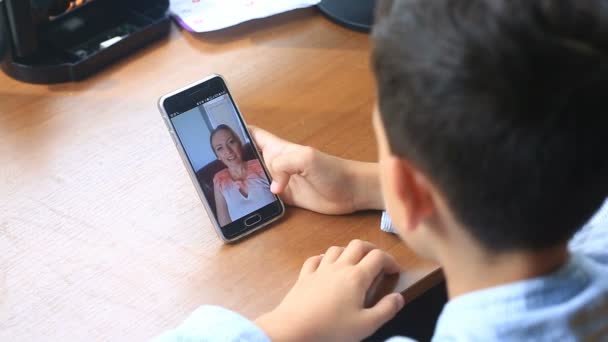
(211, 15)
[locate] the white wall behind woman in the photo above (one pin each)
(221, 111)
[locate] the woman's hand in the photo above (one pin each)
(308, 178)
(327, 301)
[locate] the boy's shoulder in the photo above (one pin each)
(592, 239)
(570, 303)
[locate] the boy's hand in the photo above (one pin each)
(327, 301)
(313, 180)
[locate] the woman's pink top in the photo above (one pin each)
(256, 186)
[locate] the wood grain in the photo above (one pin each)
(102, 236)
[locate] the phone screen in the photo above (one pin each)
(223, 157)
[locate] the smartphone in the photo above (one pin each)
(222, 159)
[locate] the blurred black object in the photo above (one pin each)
(3, 37)
(51, 7)
(417, 320)
(51, 41)
(354, 14)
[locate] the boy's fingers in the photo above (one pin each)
(279, 182)
(332, 254)
(356, 250)
(263, 138)
(376, 262)
(285, 160)
(282, 167)
(287, 196)
(311, 264)
(383, 311)
(259, 135)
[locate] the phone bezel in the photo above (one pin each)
(246, 230)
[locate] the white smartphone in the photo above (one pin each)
(221, 157)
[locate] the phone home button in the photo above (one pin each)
(253, 219)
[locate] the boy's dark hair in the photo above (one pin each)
(502, 103)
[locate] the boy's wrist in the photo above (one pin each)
(276, 330)
(367, 193)
(265, 323)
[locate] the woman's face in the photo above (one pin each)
(227, 148)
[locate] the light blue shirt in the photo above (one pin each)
(570, 304)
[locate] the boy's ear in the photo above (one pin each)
(412, 191)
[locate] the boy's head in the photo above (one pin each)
(499, 108)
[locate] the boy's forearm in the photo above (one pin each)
(367, 193)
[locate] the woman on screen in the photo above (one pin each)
(242, 187)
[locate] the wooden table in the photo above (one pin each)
(102, 236)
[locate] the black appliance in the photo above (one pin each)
(354, 14)
(51, 41)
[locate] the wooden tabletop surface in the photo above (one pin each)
(102, 235)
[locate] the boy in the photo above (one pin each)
(491, 130)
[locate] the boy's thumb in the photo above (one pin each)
(282, 167)
(384, 310)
